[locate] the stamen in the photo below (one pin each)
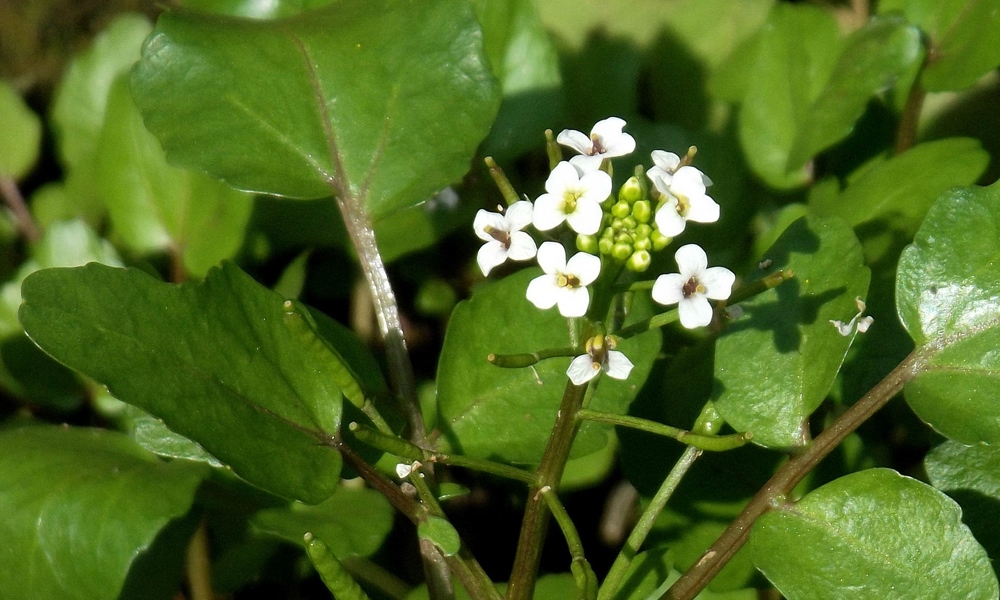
(691, 287)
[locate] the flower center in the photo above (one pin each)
(567, 280)
(499, 235)
(598, 147)
(569, 201)
(683, 205)
(692, 287)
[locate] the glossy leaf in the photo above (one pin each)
(150, 433)
(77, 506)
(81, 100)
(776, 363)
(156, 207)
(906, 184)
(442, 534)
(947, 287)
(351, 94)
(22, 134)
(352, 521)
(507, 414)
(223, 363)
(874, 531)
(809, 86)
(971, 476)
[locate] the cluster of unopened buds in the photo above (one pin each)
(611, 229)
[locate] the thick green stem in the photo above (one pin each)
(552, 149)
(483, 466)
(536, 515)
(702, 442)
(612, 583)
(506, 189)
(788, 476)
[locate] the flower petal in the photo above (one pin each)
(548, 213)
(666, 161)
(486, 219)
(619, 366)
(519, 215)
(702, 209)
(552, 257)
(718, 282)
(688, 181)
(691, 260)
(582, 369)
(490, 255)
(669, 288)
(585, 266)
(543, 291)
(576, 140)
(522, 247)
(668, 220)
(695, 311)
(596, 186)
(586, 163)
(587, 217)
(573, 302)
(562, 176)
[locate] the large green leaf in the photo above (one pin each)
(948, 298)
(507, 414)
(809, 87)
(906, 184)
(22, 134)
(964, 36)
(225, 363)
(351, 99)
(351, 522)
(970, 475)
(78, 506)
(873, 534)
(775, 365)
(156, 207)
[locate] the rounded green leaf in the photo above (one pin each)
(873, 534)
(507, 414)
(78, 506)
(442, 534)
(948, 298)
(225, 363)
(965, 42)
(155, 207)
(81, 98)
(350, 100)
(352, 521)
(776, 363)
(22, 134)
(971, 476)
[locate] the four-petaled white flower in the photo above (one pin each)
(573, 197)
(684, 200)
(503, 236)
(692, 288)
(665, 164)
(607, 140)
(601, 355)
(564, 283)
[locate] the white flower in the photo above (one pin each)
(684, 200)
(693, 286)
(665, 164)
(564, 283)
(503, 236)
(606, 140)
(572, 197)
(600, 355)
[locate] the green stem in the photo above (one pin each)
(506, 189)
(702, 442)
(25, 222)
(516, 361)
(483, 466)
(564, 521)
(788, 476)
(386, 443)
(552, 149)
(536, 515)
(362, 569)
(760, 286)
(612, 583)
(654, 322)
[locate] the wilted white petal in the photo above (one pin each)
(864, 323)
(718, 282)
(522, 247)
(619, 366)
(491, 255)
(582, 369)
(669, 288)
(403, 470)
(843, 329)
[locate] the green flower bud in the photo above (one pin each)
(639, 261)
(642, 231)
(642, 244)
(630, 191)
(621, 251)
(621, 210)
(587, 243)
(616, 224)
(608, 202)
(605, 245)
(609, 233)
(624, 238)
(629, 223)
(659, 240)
(642, 211)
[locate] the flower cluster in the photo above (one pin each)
(620, 230)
